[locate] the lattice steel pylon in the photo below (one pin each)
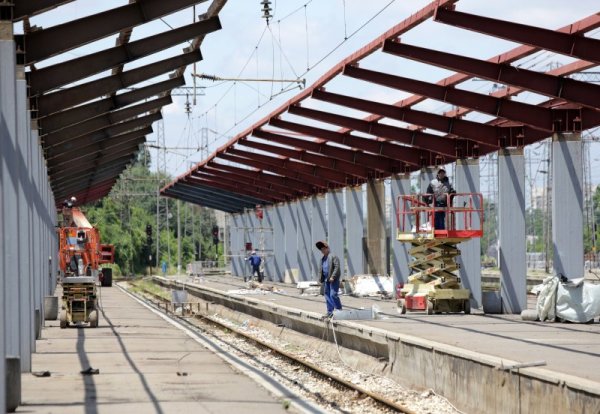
(433, 286)
(161, 172)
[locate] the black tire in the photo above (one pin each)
(402, 306)
(107, 277)
(429, 307)
(93, 319)
(467, 307)
(63, 319)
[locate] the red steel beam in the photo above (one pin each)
(235, 188)
(322, 175)
(213, 175)
(323, 161)
(310, 181)
(418, 141)
(222, 174)
(383, 147)
(576, 46)
(102, 148)
(279, 183)
(376, 162)
(590, 118)
(582, 93)
(532, 115)
(85, 147)
(482, 134)
(406, 25)
(579, 27)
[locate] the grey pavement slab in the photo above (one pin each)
(138, 355)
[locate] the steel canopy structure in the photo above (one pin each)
(90, 130)
(288, 155)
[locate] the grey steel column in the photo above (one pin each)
(269, 258)
(7, 62)
(38, 288)
(511, 224)
(291, 236)
(376, 235)
(33, 148)
(235, 243)
(425, 176)
(278, 243)
(335, 226)
(318, 232)
(10, 166)
(567, 204)
(399, 254)
(305, 243)
(25, 315)
(355, 228)
(467, 181)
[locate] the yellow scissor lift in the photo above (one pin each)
(433, 286)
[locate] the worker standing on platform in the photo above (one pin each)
(255, 261)
(440, 188)
(329, 274)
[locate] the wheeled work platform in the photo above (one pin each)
(79, 301)
(433, 286)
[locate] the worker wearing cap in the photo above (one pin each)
(329, 274)
(440, 188)
(255, 261)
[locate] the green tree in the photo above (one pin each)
(123, 215)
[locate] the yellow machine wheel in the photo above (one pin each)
(429, 307)
(93, 318)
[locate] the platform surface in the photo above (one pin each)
(139, 355)
(567, 348)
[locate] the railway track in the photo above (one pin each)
(355, 390)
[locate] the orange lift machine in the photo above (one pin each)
(433, 286)
(80, 258)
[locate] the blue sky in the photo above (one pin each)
(307, 31)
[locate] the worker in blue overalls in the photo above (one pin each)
(255, 262)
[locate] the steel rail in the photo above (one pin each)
(319, 371)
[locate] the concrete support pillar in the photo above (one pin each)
(10, 166)
(235, 245)
(511, 224)
(304, 239)
(290, 220)
(37, 254)
(23, 148)
(318, 232)
(567, 204)
(399, 251)
(467, 181)
(425, 176)
(376, 234)
(7, 62)
(355, 227)
(269, 257)
(335, 225)
(278, 243)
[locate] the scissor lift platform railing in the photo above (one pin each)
(433, 286)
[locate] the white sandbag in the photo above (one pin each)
(547, 299)
(577, 301)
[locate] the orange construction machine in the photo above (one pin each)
(80, 257)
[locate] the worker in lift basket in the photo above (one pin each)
(255, 261)
(440, 188)
(329, 274)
